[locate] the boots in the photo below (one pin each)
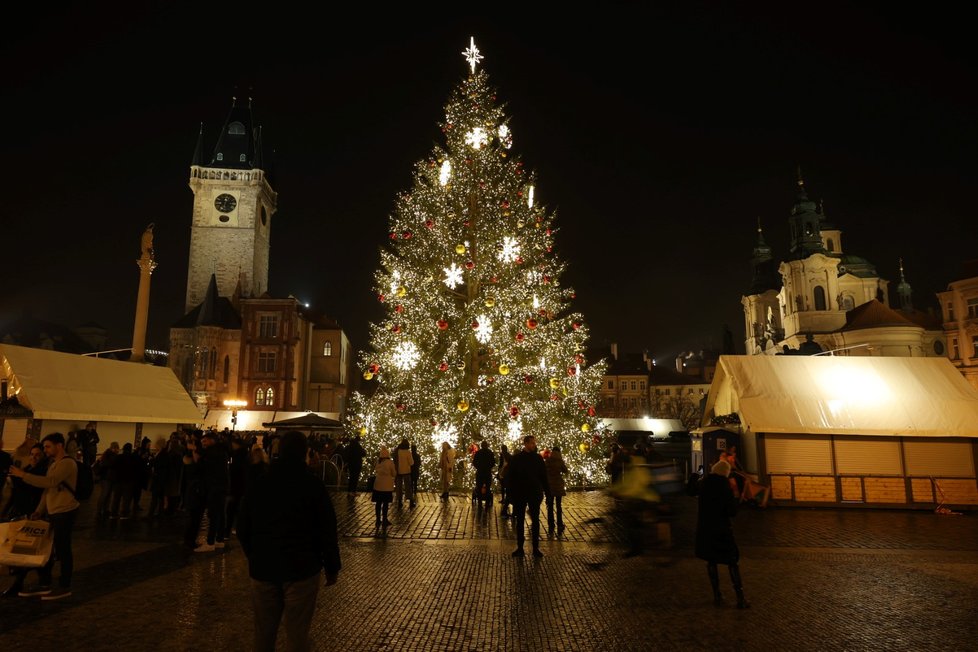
(742, 602)
(714, 574)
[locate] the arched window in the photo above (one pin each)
(205, 359)
(260, 396)
(820, 298)
(236, 129)
(327, 349)
(227, 368)
(848, 303)
(270, 396)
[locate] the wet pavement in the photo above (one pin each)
(441, 578)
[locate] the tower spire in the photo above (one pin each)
(904, 291)
(804, 224)
(199, 149)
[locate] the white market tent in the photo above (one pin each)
(867, 430)
(866, 395)
(63, 391)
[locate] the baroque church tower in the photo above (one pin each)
(232, 217)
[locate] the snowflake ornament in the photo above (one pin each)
(505, 136)
(444, 432)
(406, 356)
(484, 332)
(446, 173)
(472, 54)
(510, 251)
(515, 429)
(476, 138)
(453, 276)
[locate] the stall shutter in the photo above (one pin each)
(867, 456)
(13, 431)
(944, 459)
(798, 454)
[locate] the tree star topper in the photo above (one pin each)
(472, 54)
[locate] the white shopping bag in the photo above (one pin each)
(25, 543)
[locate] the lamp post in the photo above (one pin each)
(234, 404)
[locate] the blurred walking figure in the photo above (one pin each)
(715, 542)
(446, 464)
(556, 468)
(527, 485)
(405, 463)
(287, 528)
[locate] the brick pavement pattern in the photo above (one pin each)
(441, 578)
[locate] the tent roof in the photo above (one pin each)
(871, 395)
(73, 387)
(310, 421)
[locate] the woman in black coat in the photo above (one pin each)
(714, 534)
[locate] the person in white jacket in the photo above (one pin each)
(447, 465)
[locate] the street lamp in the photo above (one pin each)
(234, 404)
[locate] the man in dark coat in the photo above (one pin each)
(527, 478)
(287, 528)
(484, 461)
(354, 454)
(213, 468)
(714, 534)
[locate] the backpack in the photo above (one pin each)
(85, 482)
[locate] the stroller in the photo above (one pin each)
(482, 492)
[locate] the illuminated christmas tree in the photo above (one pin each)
(479, 341)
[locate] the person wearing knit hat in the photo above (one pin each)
(715, 541)
(383, 491)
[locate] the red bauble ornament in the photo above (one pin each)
(520, 336)
(519, 193)
(493, 280)
(545, 454)
(469, 264)
(475, 325)
(579, 359)
(380, 297)
(514, 412)
(465, 223)
(519, 260)
(443, 366)
(548, 231)
(546, 279)
(576, 325)
(429, 223)
(442, 325)
(531, 323)
(571, 371)
(527, 379)
(580, 404)
(393, 236)
(401, 407)
(490, 380)
(398, 308)
(374, 368)
(407, 235)
(554, 397)
(543, 312)
(573, 295)
(591, 412)
(505, 204)
(395, 328)
(595, 439)
(549, 249)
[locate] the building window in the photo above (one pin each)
(260, 396)
(205, 358)
(666, 392)
(955, 353)
(227, 369)
(950, 311)
(213, 364)
(848, 303)
(633, 385)
(270, 397)
(819, 293)
(327, 349)
(220, 156)
(266, 362)
(973, 308)
(611, 384)
(242, 158)
(641, 385)
(267, 326)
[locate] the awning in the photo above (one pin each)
(71, 387)
(309, 421)
(858, 395)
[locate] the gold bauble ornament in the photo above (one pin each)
(584, 447)
(401, 291)
(503, 154)
(554, 383)
(462, 405)
(363, 430)
(585, 427)
(367, 375)
(490, 302)
(504, 369)
(536, 224)
(460, 249)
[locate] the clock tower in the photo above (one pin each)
(233, 207)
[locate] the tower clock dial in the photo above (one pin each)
(225, 203)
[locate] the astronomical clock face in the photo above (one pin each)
(225, 203)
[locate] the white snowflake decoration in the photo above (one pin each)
(395, 282)
(536, 302)
(529, 198)
(476, 138)
(510, 251)
(446, 173)
(534, 277)
(543, 364)
(515, 429)
(406, 356)
(444, 432)
(505, 137)
(453, 276)
(484, 332)
(483, 381)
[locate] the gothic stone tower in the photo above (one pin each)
(232, 217)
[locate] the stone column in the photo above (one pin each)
(146, 264)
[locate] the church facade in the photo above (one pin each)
(236, 342)
(821, 298)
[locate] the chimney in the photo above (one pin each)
(614, 350)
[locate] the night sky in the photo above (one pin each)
(659, 138)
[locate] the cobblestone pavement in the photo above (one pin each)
(441, 578)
